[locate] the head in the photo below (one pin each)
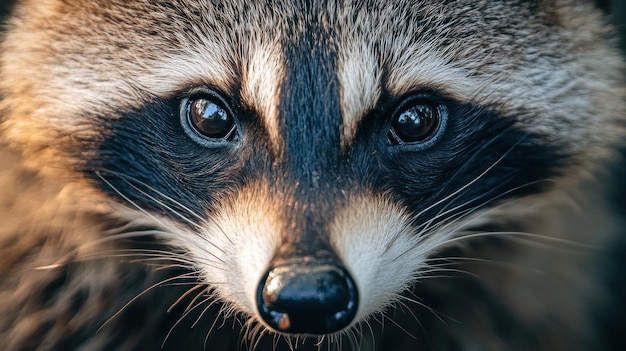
(309, 157)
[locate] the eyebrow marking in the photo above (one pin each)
(408, 67)
(262, 77)
(359, 79)
(423, 66)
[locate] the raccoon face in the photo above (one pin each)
(309, 158)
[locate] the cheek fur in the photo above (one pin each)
(233, 249)
(375, 241)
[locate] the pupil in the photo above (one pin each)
(210, 119)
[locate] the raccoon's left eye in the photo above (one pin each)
(417, 121)
(207, 120)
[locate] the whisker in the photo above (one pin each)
(145, 291)
(369, 326)
(128, 235)
(470, 183)
(127, 199)
(401, 327)
(184, 295)
(507, 234)
(433, 269)
(481, 205)
(210, 330)
(213, 302)
(435, 313)
(142, 255)
(187, 312)
(127, 179)
(426, 243)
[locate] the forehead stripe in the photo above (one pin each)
(309, 111)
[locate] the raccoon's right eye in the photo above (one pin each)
(206, 119)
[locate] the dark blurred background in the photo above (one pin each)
(616, 8)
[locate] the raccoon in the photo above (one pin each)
(311, 175)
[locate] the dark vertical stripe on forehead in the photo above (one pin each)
(309, 120)
(309, 108)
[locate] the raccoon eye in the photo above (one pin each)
(415, 122)
(207, 118)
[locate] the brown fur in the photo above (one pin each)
(70, 279)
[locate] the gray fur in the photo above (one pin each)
(67, 269)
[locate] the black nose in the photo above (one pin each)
(301, 298)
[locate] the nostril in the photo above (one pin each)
(307, 298)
